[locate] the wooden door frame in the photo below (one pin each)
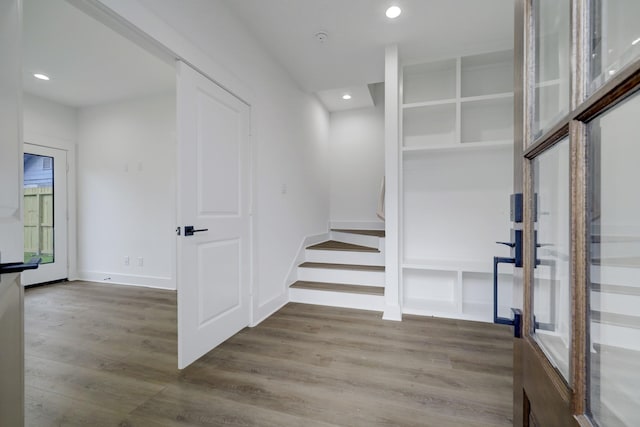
(571, 398)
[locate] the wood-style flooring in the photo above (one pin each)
(105, 355)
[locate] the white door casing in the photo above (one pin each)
(11, 292)
(213, 270)
(58, 269)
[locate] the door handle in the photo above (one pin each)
(189, 230)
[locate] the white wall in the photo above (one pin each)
(54, 125)
(126, 191)
(357, 162)
(290, 129)
(49, 122)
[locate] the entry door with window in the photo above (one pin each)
(45, 213)
(578, 363)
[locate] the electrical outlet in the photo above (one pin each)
(140, 261)
(126, 260)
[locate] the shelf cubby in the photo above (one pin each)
(487, 120)
(429, 82)
(487, 74)
(429, 125)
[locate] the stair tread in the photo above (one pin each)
(339, 287)
(630, 262)
(376, 233)
(333, 245)
(616, 289)
(616, 319)
(354, 267)
(614, 239)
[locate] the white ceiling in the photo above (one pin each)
(88, 63)
(358, 32)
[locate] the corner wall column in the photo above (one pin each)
(392, 310)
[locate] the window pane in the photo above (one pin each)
(615, 266)
(38, 207)
(615, 37)
(552, 63)
(551, 297)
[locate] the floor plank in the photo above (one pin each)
(105, 355)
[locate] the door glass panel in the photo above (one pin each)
(615, 266)
(551, 298)
(615, 38)
(552, 55)
(38, 208)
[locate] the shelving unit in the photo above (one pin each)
(456, 177)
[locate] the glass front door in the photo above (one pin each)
(45, 213)
(578, 361)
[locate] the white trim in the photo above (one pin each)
(128, 279)
(393, 95)
(270, 307)
(357, 225)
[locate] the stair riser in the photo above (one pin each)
(347, 277)
(358, 239)
(615, 275)
(616, 303)
(617, 336)
(345, 257)
(337, 299)
(616, 249)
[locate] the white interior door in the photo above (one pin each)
(45, 212)
(213, 196)
(11, 292)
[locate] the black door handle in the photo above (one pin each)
(189, 230)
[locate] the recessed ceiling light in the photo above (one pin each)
(346, 96)
(41, 76)
(393, 12)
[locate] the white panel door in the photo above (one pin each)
(11, 292)
(213, 196)
(45, 212)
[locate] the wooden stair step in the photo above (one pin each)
(352, 267)
(338, 287)
(332, 245)
(376, 233)
(629, 262)
(616, 319)
(616, 289)
(614, 239)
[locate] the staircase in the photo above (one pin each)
(345, 271)
(615, 327)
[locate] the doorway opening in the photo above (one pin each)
(45, 214)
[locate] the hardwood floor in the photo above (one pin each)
(105, 355)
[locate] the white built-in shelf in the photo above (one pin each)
(548, 83)
(450, 103)
(466, 146)
(429, 103)
(456, 177)
(479, 266)
(505, 95)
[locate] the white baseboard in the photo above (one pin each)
(392, 312)
(357, 225)
(128, 279)
(270, 307)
